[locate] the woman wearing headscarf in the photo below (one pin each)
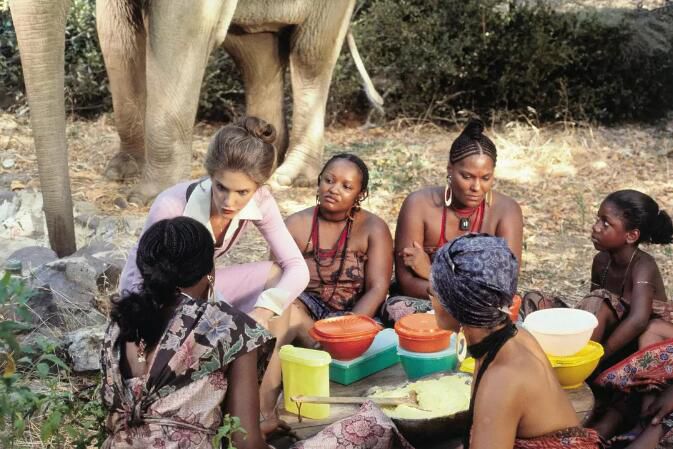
(516, 399)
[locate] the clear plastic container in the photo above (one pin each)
(305, 372)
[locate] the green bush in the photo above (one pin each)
(436, 57)
(36, 389)
(433, 58)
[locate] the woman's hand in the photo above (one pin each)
(417, 260)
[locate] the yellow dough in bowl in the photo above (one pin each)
(444, 396)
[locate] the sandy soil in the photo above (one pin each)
(558, 173)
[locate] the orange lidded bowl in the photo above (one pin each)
(346, 326)
(345, 337)
(419, 333)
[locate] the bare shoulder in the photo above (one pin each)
(645, 267)
(299, 219)
(505, 205)
(373, 222)
(425, 198)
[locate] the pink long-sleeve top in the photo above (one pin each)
(261, 210)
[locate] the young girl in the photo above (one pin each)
(173, 362)
(435, 215)
(349, 254)
(627, 289)
(241, 158)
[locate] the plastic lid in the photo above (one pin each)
(346, 326)
(421, 326)
(304, 356)
(588, 353)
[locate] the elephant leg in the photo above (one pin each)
(314, 50)
(40, 32)
(180, 37)
(122, 39)
(262, 63)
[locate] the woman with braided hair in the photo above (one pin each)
(241, 157)
(349, 254)
(174, 362)
(516, 401)
(435, 215)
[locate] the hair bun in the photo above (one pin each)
(259, 128)
(474, 128)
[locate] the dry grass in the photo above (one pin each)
(558, 173)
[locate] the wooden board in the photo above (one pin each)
(581, 398)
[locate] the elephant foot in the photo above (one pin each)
(122, 166)
(296, 173)
(144, 193)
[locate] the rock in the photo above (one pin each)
(121, 203)
(84, 346)
(8, 163)
(24, 218)
(68, 290)
(45, 309)
(32, 257)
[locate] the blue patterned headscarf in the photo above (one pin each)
(475, 277)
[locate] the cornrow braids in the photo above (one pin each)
(172, 253)
(364, 171)
(472, 141)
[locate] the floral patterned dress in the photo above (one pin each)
(177, 404)
(648, 370)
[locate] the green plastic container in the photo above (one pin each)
(419, 364)
(380, 355)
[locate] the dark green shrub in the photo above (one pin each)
(436, 57)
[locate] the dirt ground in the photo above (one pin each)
(558, 173)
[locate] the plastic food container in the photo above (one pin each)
(573, 370)
(468, 365)
(419, 333)
(344, 348)
(561, 331)
(380, 355)
(417, 365)
(346, 326)
(305, 372)
(345, 337)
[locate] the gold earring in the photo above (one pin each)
(317, 199)
(448, 193)
(211, 289)
(489, 197)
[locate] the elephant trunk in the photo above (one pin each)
(40, 32)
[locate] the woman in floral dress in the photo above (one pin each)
(174, 362)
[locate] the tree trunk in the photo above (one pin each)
(40, 31)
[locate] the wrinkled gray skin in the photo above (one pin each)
(155, 60)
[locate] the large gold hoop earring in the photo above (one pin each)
(317, 199)
(448, 193)
(489, 197)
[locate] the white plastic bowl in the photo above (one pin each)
(561, 331)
